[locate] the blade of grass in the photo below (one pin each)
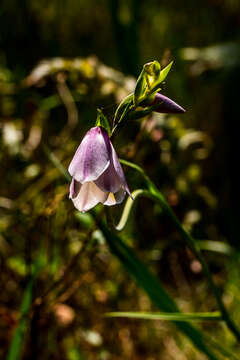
(216, 246)
(54, 160)
(223, 351)
(214, 316)
(16, 345)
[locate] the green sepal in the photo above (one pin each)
(162, 76)
(123, 106)
(142, 112)
(148, 77)
(140, 87)
(149, 82)
(149, 99)
(164, 72)
(152, 68)
(103, 121)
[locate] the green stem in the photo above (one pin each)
(191, 244)
(125, 113)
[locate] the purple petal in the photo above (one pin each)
(166, 105)
(92, 156)
(109, 181)
(75, 187)
(119, 171)
(87, 196)
(72, 189)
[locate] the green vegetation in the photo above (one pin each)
(154, 278)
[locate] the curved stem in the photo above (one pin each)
(191, 244)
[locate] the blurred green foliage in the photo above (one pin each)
(192, 158)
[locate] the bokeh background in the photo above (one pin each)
(59, 62)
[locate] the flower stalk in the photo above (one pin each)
(192, 244)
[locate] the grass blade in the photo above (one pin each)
(216, 246)
(18, 338)
(215, 316)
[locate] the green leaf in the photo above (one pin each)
(103, 121)
(216, 316)
(18, 338)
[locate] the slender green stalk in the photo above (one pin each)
(124, 115)
(164, 316)
(192, 244)
(54, 160)
(18, 340)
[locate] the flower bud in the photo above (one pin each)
(166, 105)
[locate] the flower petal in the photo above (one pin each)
(92, 156)
(110, 200)
(109, 181)
(72, 189)
(87, 196)
(166, 105)
(119, 171)
(114, 199)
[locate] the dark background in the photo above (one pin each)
(200, 179)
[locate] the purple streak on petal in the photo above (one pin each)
(167, 105)
(88, 196)
(119, 171)
(92, 156)
(109, 181)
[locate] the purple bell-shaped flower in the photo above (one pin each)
(97, 175)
